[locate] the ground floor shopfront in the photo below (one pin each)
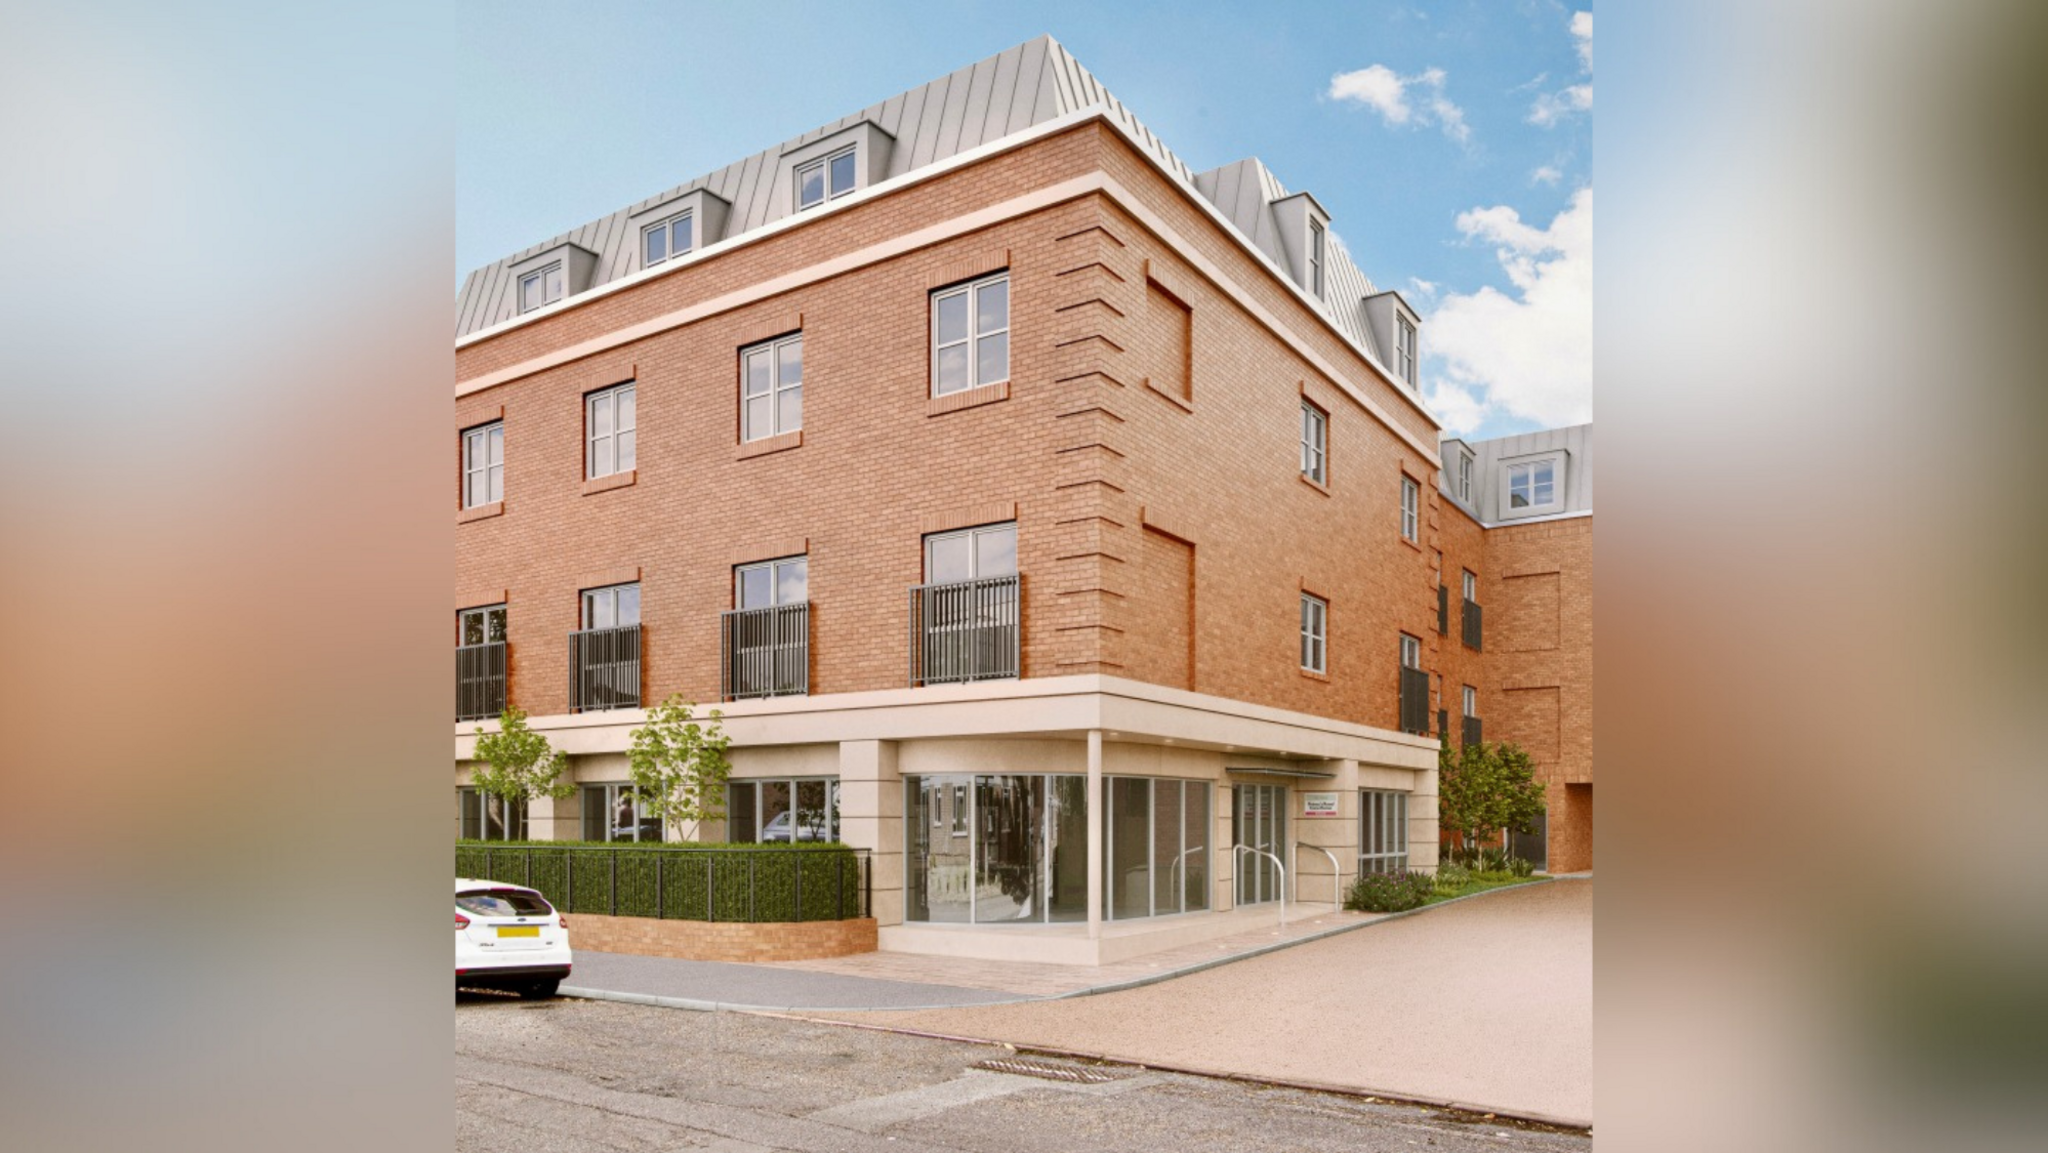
(975, 803)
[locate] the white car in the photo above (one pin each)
(508, 937)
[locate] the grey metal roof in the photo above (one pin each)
(1008, 93)
(1490, 456)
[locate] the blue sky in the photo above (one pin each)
(1452, 143)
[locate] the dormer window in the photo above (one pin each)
(1315, 259)
(1465, 477)
(825, 179)
(540, 287)
(665, 239)
(1532, 485)
(1404, 348)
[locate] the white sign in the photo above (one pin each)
(1318, 804)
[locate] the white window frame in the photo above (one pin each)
(483, 462)
(774, 351)
(774, 569)
(484, 613)
(972, 341)
(1471, 701)
(974, 572)
(622, 442)
(824, 163)
(1315, 442)
(1411, 652)
(1315, 634)
(1557, 462)
(592, 598)
(1465, 477)
(1317, 258)
(1471, 585)
(680, 222)
(1404, 347)
(1411, 508)
(551, 285)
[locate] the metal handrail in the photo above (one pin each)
(1278, 864)
(765, 652)
(1336, 873)
(966, 630)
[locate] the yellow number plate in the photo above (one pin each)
(518, 931)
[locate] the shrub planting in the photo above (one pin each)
(1388, 892)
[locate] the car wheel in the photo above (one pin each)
(540, 990)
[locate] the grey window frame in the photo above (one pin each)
(824, 164)
(462, 617)
(1471, 585)
(973, 549)
(1382, 831)
(773, 350)
(1318, 256)
(972, 290)
(617, 436)
(1411, 508)
(492, 437)
(761, 818)
(774, 570)
(587, 599)
(612, 791)
(667, 228)
(1315, 634)
(1557, 463)
(1469, 701)
(515, 820)
(1315, 442)
(553, 285)
(1405, 337)
(1411, 651)
(1465, 477)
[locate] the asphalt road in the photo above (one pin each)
(576, 1076)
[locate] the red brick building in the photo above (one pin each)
(990, 468)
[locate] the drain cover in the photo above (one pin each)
(1050, 1070)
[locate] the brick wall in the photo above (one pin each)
(721, 941)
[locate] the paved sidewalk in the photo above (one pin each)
(719, 985)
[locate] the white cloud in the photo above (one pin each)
(1526, 353)
(1388, 93)
(1548, 174)
(1551, 107)
(1422, 289)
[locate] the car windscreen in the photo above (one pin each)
(502, 903)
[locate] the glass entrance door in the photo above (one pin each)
(1259, 821)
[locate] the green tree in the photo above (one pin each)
(1486, 786)
(517, 764)
(679, 765)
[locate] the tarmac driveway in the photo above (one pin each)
(1487, 1002)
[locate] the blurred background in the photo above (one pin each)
(225, 361)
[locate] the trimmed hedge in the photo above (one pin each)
(693, 882)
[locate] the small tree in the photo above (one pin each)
(1486, 786)
(679, 766)
(516, 764)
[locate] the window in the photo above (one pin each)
(1382, 831)
(483, 817)
(1315, 633)
(784, 811)
(971, 554)
(1471, 586)
(665, 239)
(608, 423)
(614, 813)
(1411, 652)
(1411, 497)
(1315, 442)
(996, 848)
(1404, 348)
(617, 606)
(1471, 701)
(540, 288)
(822, 180)
(971, 335)
(483, 465)
(771, 583)
(1155, 847)
(1315, 259)
(1532, 485)
(772, 388)
(1465, 477)
(484, 626)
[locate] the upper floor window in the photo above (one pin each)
(609, 426)
(665, 239)
(1532, 485)
(480, 626)
(971, 554)
(1471, 586)
(611, 607)
(1411, 496)
(772, 583)
(540, 287)
(825, 179)
(1411, 652)
(1404, 348)
(483, 465)
(1315, 633)
(971, 335)
(1315, 443)
(1465, 477)
(772, 388)
(1315, 259)
(1471, 701)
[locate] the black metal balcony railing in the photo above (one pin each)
(1443, 610)
(765, 652)
(479, 681)
(1472, 623)
(1472, 730)
(604, 669)
(965, 631)
(1414, 701)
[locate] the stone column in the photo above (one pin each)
(871, 818)
(1422, 822)
(555, 818)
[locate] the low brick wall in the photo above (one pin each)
(721, 940)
